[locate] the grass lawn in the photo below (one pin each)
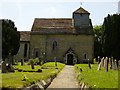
(97, 79)
(14, 80)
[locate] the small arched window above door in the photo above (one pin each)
(54, 45)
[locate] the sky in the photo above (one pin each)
(23, 12)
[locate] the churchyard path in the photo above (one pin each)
(65, 79)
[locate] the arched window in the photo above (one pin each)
(54, 46)
(85, 56)
(25, 50)
(36, 54)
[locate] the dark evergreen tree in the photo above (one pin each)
(10, 39)
(111, 43)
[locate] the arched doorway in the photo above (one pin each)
(70, 59)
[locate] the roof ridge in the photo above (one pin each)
(24, 31)
(52, 18)
(81, 10)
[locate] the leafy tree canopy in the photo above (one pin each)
(98, 34)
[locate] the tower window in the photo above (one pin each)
(54, 46)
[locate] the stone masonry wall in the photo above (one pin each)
(81, 44)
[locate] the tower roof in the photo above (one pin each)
(81, 10)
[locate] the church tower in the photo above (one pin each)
(81, 18)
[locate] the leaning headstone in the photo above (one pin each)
(32, 64)
(98, 59)
(89, 64)
(99, 66)
(102, 61)
(4, 68)
(116, 67)
(106, 64)
(110, 62)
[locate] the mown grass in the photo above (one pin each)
(14, 80)
(97, 79)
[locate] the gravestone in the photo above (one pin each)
(106, 64)
(4, 68)
(32, 64)
(110, 62)
(119, 63)
(55, 61)
(102, 61)
(113, 63)
(89, 64)
(81, 69)
(98, 59)
(10, 68)
(116, 67)
(99, 66)
(40, 61)
(22, 62)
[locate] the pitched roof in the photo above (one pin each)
(57, 26)
(81, 10)
(25, 36)
(53, 25)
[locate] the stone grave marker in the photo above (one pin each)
(98, 59)
(110, 62)
(40, 61)
(89, 64)
(99, 66)
(119, 63)
(102, 61)
(10, 68)
(116, 67)
(55, 61)
(22, 62)
(32, 64)
(4, 68)
(113, 63)
(106, 64)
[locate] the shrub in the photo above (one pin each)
(35, 61)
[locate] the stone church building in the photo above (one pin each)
(68, 40)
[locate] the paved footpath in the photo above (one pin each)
(65, 79)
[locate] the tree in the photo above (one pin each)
(10, 39)
(111, 36)
(98, 39)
